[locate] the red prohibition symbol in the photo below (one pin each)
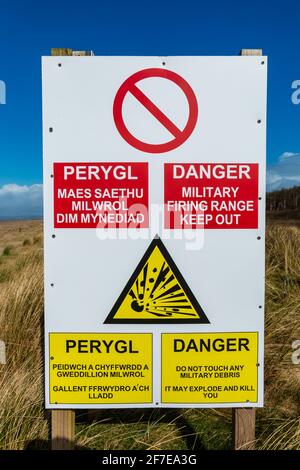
(130, 86)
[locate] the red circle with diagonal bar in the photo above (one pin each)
(129, 86)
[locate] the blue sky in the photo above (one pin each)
(29, 29)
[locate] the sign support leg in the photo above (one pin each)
(243, 423)
(62, 429)
(243, 419)
(63, 421)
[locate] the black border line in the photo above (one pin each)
(246, 404)
(97, 405)
(156, 242)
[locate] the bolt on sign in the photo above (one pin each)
(154, 196)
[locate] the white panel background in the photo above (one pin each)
(227, 274)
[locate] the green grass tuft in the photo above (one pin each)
(7, 250)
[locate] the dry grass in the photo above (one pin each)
(15, 232)
(24, 422)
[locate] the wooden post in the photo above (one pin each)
(63, 421)
(62, 429)
(251, 52)
(243, 419)
(57, 51)
(63, 52)
(243, 428)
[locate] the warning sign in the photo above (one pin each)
(209, 367)
(154, 221)
(179, 135)
(88, 368)
(103, 195)
(156, 293)
(211, 195)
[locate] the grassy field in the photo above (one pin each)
(24, 424)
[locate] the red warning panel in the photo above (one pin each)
(101, 195)
(211, 195)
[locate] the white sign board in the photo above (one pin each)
(154, 196)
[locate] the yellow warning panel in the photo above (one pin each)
(209, 368)
(94, 368)
(157, 293)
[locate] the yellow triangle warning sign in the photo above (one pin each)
(156, 293)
